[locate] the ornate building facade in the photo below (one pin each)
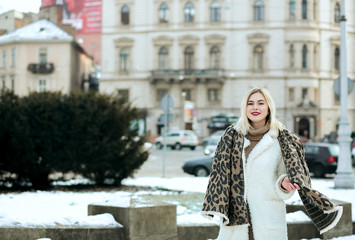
(208, 53)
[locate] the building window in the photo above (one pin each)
(43, 55)
(292, 9)
(336, 99)
(163, 13)
(42, 85)
(213, 95)
(258, 57)
(315, 57)
(124, 60)
(304, 57)
(215, 12)
(4, 58)
(316, 94)
(337, 59)
(304, 9)
(160, 94)
(3, 79)
(125, 15)
(215, 57)
(189, 12)
(291, 94)
(123, 94)
(304, 93)
(259, 10)
(337, 12)
(13, 57)
(163, 58)
(13, 84)
(292, 56)
(188, 58)
(187, 94)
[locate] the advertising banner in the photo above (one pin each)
(84, 15)
(49, 3)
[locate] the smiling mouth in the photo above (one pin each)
(255, 114)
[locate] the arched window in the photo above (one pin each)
(188, 58)
(124, 60)
(258, 57)
(125, 15)
(337, 59)
(163, 13)
(215, 56)
(292, 9)
(304, 57)
(163, 58)
(315, 57)
(337, 12)
(292, 56)
(259, 10)
(304, 9)
(215, 12)
(189, 12)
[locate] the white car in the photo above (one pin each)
(178, 139)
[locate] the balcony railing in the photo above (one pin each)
(204, 73)
(41, 68)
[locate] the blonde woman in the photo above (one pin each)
(259, 164)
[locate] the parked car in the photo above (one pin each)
(211, 145)
(200, 167)
(178, 140)
(222, 121)
(321, 158)
(218, 133)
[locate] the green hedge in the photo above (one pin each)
(85, 133)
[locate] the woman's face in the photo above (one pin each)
(257, 110)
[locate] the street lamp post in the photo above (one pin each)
(343, 177)
(183, 96)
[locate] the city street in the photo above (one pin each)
(153, 167)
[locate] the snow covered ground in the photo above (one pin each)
(51, 208)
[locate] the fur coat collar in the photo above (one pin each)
(225, 192)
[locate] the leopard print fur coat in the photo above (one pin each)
(225, 190)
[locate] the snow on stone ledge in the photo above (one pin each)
(298, 216)
(100, 220)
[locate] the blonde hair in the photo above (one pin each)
(243, 124)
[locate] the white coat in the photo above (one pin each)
(264, 169)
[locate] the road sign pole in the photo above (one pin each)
(164, 140)
(166, 103)
(343, 177)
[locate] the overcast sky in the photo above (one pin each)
(20, 5)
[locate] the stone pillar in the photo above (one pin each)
(142, 219)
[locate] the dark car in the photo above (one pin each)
(200, 167)
(321, 158)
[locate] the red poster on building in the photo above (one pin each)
(84, 15)
(49, 3)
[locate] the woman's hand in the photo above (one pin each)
(287, 185)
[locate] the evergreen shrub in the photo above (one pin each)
(84, 133)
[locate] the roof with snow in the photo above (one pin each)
(41, 30)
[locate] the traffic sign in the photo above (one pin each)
(167, 102)
(336, 86)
